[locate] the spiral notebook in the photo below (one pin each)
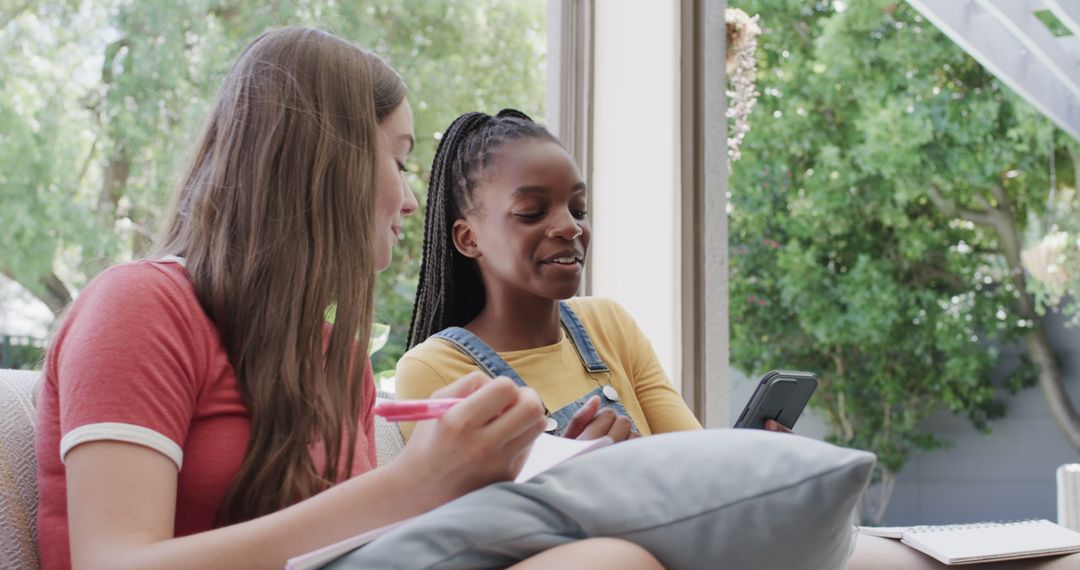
(985, 542)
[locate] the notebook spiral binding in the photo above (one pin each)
(967, 526)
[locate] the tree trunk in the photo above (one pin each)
(49, 290)
(118, 167)
(113, 186)
(57, 295)
(1001, 219)
(1037, 341)
(1074, 154)
(874, 502)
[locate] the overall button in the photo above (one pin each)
(551, 424)
(610, 393)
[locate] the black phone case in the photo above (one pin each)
(781, 395)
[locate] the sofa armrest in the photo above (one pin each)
(388, 438)
(18, 470)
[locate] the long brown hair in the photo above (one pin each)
(274, 216)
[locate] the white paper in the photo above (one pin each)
(883, 531)
(549, 451)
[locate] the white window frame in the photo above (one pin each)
(701, 332)
(569, 96)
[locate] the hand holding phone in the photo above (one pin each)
(781, 395)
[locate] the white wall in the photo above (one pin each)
(635, 244)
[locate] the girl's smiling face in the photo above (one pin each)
(526, 223)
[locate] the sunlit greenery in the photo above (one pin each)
(100, 100)
(878, 151)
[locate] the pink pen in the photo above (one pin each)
(414, 410)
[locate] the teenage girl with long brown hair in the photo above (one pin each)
(195, 407)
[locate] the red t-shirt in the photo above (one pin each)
(137, 360)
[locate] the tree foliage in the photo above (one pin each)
(874, 213)
(101, 100)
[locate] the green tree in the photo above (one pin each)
(100, 101)
(876, 217)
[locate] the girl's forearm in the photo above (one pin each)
(366, 502)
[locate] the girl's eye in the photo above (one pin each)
(530, 216)
(579, 214)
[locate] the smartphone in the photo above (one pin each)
(781, 395)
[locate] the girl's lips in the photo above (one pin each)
(563, 269)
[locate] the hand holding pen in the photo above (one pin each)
(481, 436)
(589, 422)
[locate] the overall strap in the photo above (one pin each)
(589, 357)
(487, 359)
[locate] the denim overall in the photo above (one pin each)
(490, 362)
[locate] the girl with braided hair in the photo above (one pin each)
(505, 239)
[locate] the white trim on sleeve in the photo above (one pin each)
(130, 433)
(174, 259)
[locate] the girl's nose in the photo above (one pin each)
(410, 205)
(565, 227)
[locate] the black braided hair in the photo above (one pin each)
(450, 291)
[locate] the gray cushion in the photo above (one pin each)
(706, 499)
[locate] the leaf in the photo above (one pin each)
(380, 333)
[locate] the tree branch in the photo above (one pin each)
(1038, 344)
(119, 164)
(841, 403)
(1002, 197)
(949, 208)
(1074, 154)
(888, 483)
(112, 187)
(49, 290)
(925, 274)
(983, 202)
(86, 163)
(111, 51)
(58, 296)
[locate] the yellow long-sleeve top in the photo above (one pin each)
(557, 374)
